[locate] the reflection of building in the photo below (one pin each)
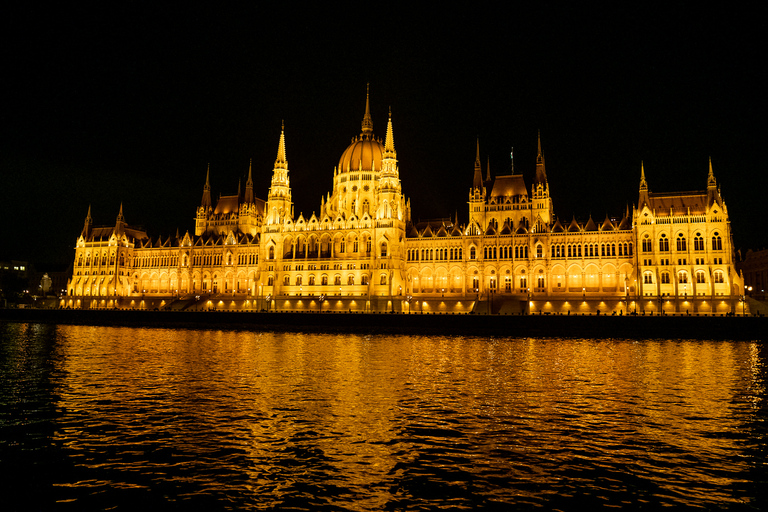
(362, 252)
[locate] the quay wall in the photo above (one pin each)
(534, 325)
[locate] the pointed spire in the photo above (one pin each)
(249, 184)
(207, 189)
(120, 217)
(539, 155)
(281, 162)
(477, 181)
(389, 144)
(512, 160)
(644, 197)
(541, 172)
(713, 191)
(367, 123)
(711, 182)
(488, 169)
(87, 224)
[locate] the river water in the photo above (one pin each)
(180, 419)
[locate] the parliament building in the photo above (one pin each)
(362, 252)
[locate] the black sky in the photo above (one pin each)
(129, 105)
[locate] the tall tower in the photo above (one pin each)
(542, 202)
(279, 205)
(204, 210)
(477, 195)
(389, 190)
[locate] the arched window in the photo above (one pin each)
(681, 243)
(700, 277)
(682, 277)
(472, 253)
(271, 255)
(355, 246)
(647, 278)
(364, 279)
(663, 243)
(324, 280)
(287, 280)
(665, 278)
(298, 280)
(698, 242)
(350, 279)
(647, 244)
(337, 280)
(539, 251)
(383, 278)
(718, 276)
(383, 249)
(717, 242)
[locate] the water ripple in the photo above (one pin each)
(121, 419)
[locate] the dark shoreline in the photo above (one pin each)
(573, 326)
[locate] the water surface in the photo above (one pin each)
(127, 418)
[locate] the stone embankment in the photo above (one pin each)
(569, 326)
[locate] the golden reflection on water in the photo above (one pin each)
(365, 411)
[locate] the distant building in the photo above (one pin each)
(362, 252)
(754, 268)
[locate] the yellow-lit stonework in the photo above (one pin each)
(361, 252)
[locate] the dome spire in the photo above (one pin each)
(367, 123)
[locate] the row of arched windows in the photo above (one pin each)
(439, 254)
(299, 280)
(156, 260)
(682, 277)
(681, 244)
(104, 256)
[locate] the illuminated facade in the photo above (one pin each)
(361, 252)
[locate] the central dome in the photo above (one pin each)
(364, 153)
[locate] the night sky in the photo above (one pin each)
(129, 105)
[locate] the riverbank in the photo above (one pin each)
(570, 326)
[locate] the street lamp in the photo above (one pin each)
(528, 302)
